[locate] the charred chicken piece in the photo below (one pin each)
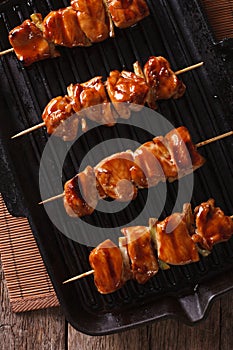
(113, 175)
(29, 44)
(212, 225)
(107, 262)
(125, 13)
(162, 81)
(147, 171)
(59, 117)
(92, 94)
(129, 88)
(162, 153)
(174, 243)
(144, 264)
(62, 28)
(183, 151)
(93, 19)
(80, 194)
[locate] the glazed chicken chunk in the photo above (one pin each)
(29, 44)
(113, 175)
(62, 27)
(144, 264)
(126, 87)
(60, 118)
(174, 243)
(107, 261)
(93, 19)
(212, 225)
(91, 97)
(81, 194)
(162, 81)
(125, 13)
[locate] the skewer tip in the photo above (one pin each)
(61, 195)
(79, 276)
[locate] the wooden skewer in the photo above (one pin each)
(24, 132)
(194, 66)
(200, 144)
(2, 53)
(35, 127)
(79, 276)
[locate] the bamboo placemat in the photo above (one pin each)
(220, 16)
(28, 283)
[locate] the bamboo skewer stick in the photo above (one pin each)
(38, 126)
(79, 276)
(35, 127)
(200, 144)
(2, 53)
(194, 66)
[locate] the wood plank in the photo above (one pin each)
(166, 335)
(42, 329)
(226, 317)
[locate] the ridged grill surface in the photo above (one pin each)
(177, 31)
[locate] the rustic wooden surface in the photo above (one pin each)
(47, 329)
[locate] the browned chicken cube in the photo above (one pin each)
(161, 152)
(174, 243)
(107, 262)
(29, 44)
(126, 87)
(212, 225)
(113, 175)
(125, 13)
(80, 194)
(183, 151)
(93, 19)
(62, 28)
(92, 94)
(162, 81)
(144, 264)
(148, 172)
(60, 118)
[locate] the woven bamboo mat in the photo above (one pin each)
(28, 283)
(220, 16)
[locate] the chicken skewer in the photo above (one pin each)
(176, 240)
(119, 87)
(121, 175)
(81, 24)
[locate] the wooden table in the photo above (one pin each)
(48, 329)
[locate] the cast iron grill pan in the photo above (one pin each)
(179, 32)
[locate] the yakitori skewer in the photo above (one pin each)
(136, 89)
(143, 250)
(81, 24)
(121, 175)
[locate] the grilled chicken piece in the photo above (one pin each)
(174, 243)
(29, 44)
(58, 111)
(125, 13)
(92, 94)
(212, 225)
(148, 171)
(62, 27)
(113, 175)
(183, 151)
(161, 152)
(126, 87)
(81, 194)
(144, 264)
(127, 273)
(93, 19)
(107, 262)
(162, 81)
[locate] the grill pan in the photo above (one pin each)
(179, 31)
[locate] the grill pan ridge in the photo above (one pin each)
(177, 30)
